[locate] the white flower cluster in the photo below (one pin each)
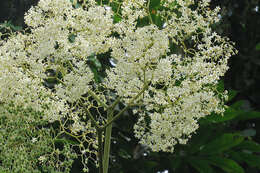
(179, 63)
(181, 83)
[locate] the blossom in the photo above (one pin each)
(177, 66)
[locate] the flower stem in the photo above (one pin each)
(125, 108)
(98, 99)
(100, 150)
(107, 142)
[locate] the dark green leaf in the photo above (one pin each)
(248, 115)
(9, 24)
(176, 162)
(242, 156)
(249, 145)
(251, 159)
(220, 86)
(222, 143)
(237, 105)
(94, 61)
(201, 166)
(154, 4)
(157, 20)
(231, 94)
(228, 165)
(122, 153)
(117, 18)
(229, 114)
(199, 140)
(16, 28)
(248, 132)
(235, 156)
(97, 77)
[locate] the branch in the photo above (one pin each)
(98, 99)
(93, 120)
(125, 108)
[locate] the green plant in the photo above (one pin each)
(168, 64)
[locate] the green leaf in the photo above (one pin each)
(232, 112)
(173, 4)
(202, 166)
(199, 140)
(16, 28)
(116, 18)
(222, 143)
(94, 61)
(235, 156)
(237, 105)
(154, 4)
(228, 165)
(220, 86)
(251, 159)
(176, 162)
(97, 77)
(157, 20)
(248, 115)
(248, 132)
(231, 94)
(249, 145)
(229, 114)
(245, 157)
(9, 24)
(257, 47)
(95, 67)
(122, 153)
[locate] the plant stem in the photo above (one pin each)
(100, 150)
(125, 108)
(98, 99)
(107, 141)
(108, 128)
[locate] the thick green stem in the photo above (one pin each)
(104, 159)
(108, 133)
(100, 150)
(107, 142)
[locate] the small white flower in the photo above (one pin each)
(42, 159)
(34, 140)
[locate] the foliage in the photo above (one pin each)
(27, 136)
(218, 146)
